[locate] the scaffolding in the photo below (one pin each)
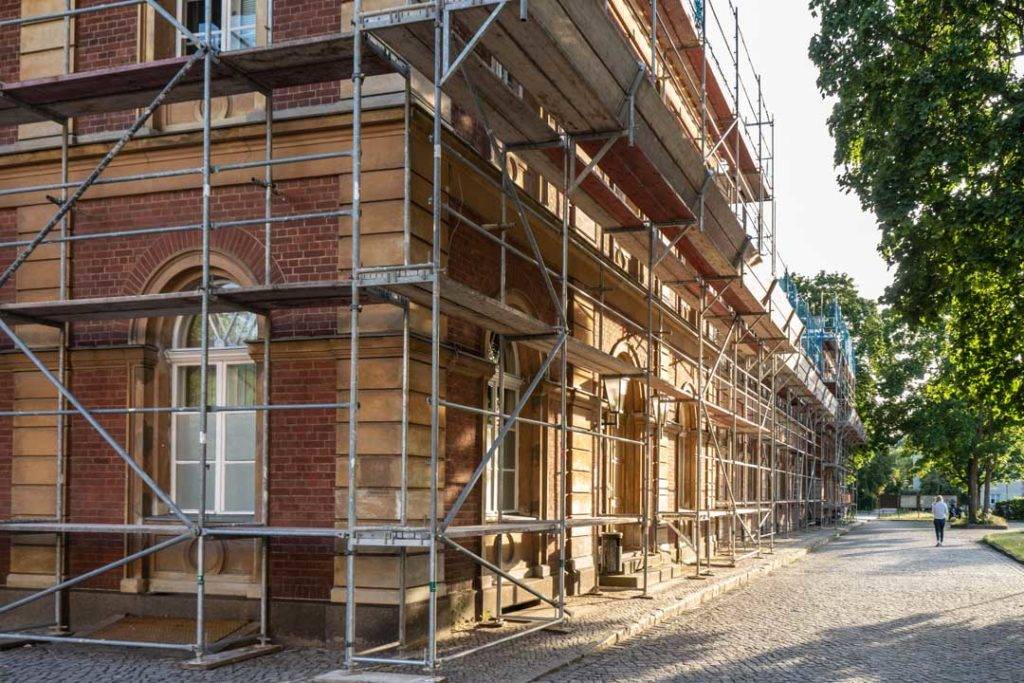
(670, 188)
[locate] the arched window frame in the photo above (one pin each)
(230, 365)
(504, 465)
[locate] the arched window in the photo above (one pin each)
(231, 434)
(501, 479)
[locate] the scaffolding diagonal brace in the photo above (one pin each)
(470, 45)
(125, 138)
(91, 419)
(505, 428)
(513, 192)
(95, 572)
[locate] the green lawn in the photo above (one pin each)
(1010, 543)
(908, 516)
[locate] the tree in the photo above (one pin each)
(928, 122)
(967, 445)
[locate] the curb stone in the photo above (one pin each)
(696, 599)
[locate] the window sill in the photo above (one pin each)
(491, 518)
(210, 519)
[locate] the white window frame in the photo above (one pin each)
(492, 425)
(224, 27)
(219, 360)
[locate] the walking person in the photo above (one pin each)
(940, 512)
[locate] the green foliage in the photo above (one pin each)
(1010, 509)
(933, 484)
(928, 123)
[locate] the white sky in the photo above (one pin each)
(819, 226)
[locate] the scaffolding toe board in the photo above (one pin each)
(464, 302)
(129, 86)
(259, 298)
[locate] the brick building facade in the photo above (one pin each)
(144, 362)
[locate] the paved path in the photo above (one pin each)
(879, 604)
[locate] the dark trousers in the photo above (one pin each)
(940, 527)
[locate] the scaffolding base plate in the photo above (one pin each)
(220, 659)
(346, 676)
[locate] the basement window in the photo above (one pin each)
(237, 16)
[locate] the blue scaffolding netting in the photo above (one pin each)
(824, 333)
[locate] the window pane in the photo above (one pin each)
(508, 452)
(240, 435)
(243, 24)
(186, 438)
(508, 490)
(241, 385)
(188, 385)
(225, 330)
(186, 486)
(239, 487)
(195, 21)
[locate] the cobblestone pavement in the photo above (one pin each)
(880, 604)
(864, 599)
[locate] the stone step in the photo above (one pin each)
(634, 580)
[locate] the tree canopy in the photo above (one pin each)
(928, 121)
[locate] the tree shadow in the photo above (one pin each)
(917, 647)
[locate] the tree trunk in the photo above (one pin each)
(972, 489)
(988, 487)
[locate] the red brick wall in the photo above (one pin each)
(295, 19)
(302, 471)
(105, 39)
(301, 250)
(96, 475)
(9, 63)
(303, 461)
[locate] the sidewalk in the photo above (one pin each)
(600, 621)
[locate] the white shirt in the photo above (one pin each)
(940, 510)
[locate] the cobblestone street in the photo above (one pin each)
(880, 603)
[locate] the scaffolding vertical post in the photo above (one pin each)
(204, 336)
(499, 403)
(441, 29)
(353, 379)
(702, 467)
(403, 501)
(654, 41)
(60, 605)
(650, 412)
(773, 471)
(759, 448)
(268, 210)
(730, 468)
(736, 111)
(561, 488)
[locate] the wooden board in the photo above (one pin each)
(132, 86)
(465, 303)
(287, 295)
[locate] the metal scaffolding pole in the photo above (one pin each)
(441, 28)
(268, 210)
(204, 337)
(353, 390)
(561, 481)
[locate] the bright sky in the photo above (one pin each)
(819, 226)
